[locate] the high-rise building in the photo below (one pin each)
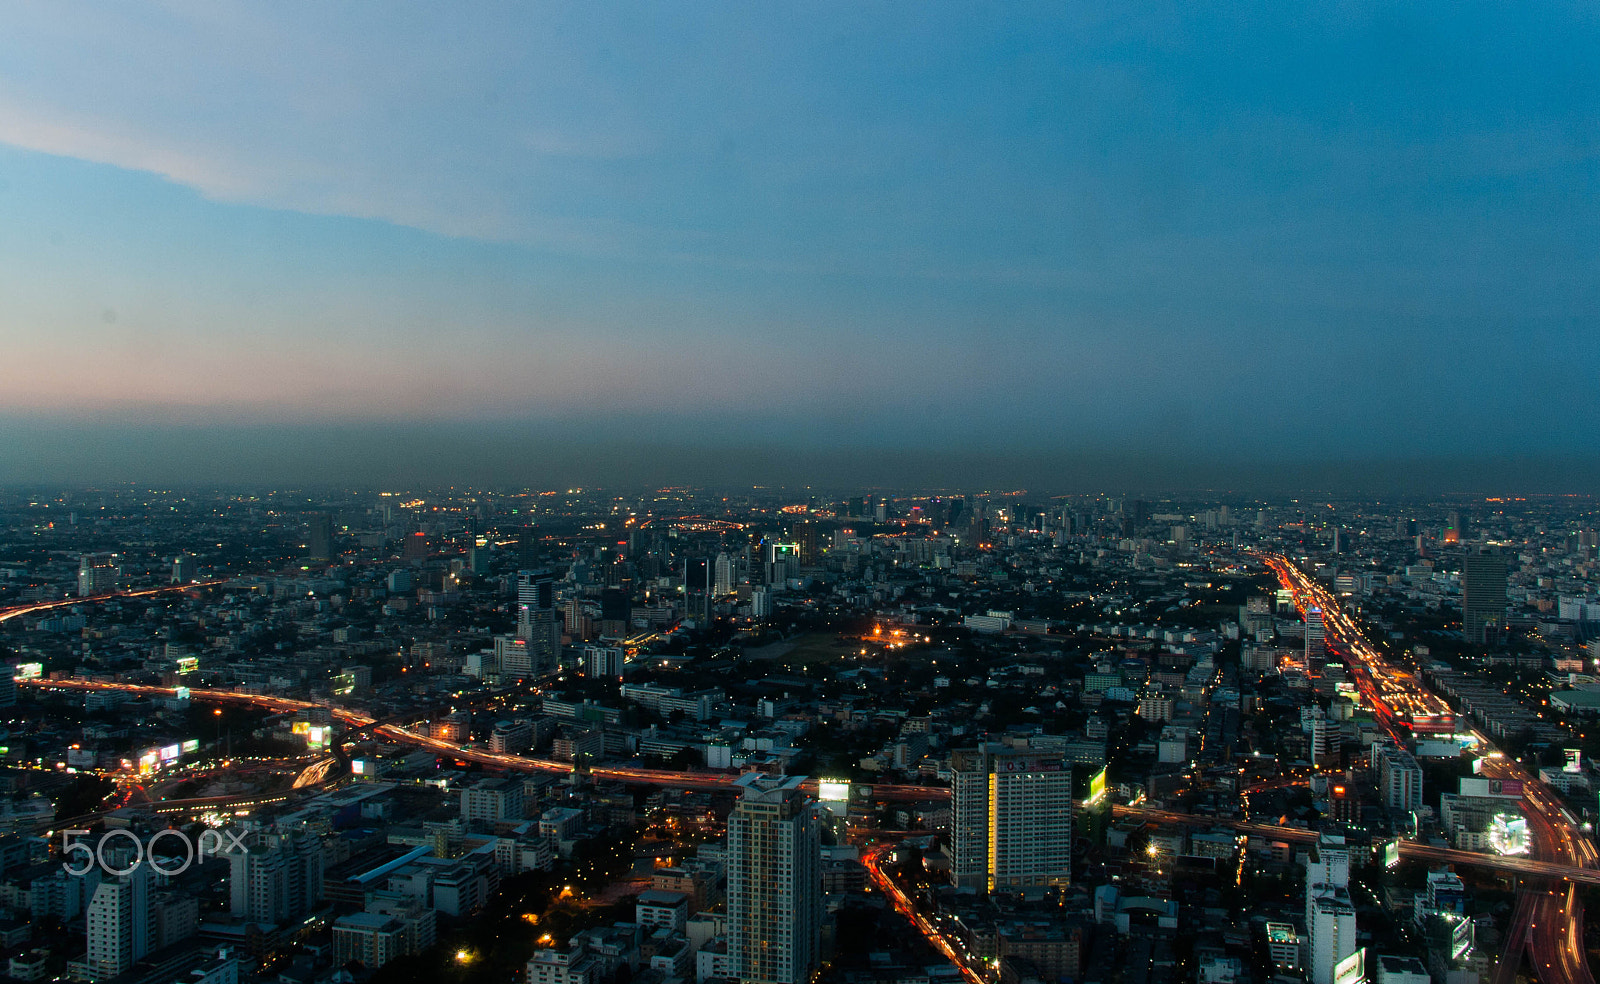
(278, 879)
(493, 800)
(1398, 776)
(120, 930)
(98, 573)
(1011, 819)
(1483, 595)
(183, 569)
(1330, 913)
(697, 585)
(538, 625)
(1316, 635)
(724, 577)
(319, 536)
(774, 881)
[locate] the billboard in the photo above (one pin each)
(192, 745)
(833, 790)
(149, 761)
(188, 664)
(1352, 969)
(181, 693)
(30, 671)
(170, 753)
(1508, 834)
(1097, 787)
(1507, 788)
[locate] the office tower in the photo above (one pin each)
(697, 575)
(1326, 740)
(1398, 776)
(527, 549)
(538, 628)
(492, 800)
(724, 577)
(616, 611)
(604, 662)
(1135, 514)
(1338, 540)
(120, 931)
(774, 882)
(1330, 914)
(319, 536)
(98, 573)
(1483, 596)
(1011, 819)
(1316, 635)
(1455, 530)
(183, 569)
(8, 689)
(805, 535)
(278, 879)
(415, 547)
(783, 562)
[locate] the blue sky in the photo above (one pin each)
(1254, 231)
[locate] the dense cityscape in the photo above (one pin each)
(826, 493)
(585, 736)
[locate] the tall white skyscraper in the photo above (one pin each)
(1011, 819)
(774, 881)
(725, 576)
(1330, 914)
(120, 930)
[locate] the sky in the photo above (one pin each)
(1058, 244)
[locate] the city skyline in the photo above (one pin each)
(606, 245)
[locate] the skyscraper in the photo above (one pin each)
(120, 930)
(319, 536)
(724, 576)
(538, 626)
(1483, 595)
(1011, 819)
(1330, 914)
(1316, 634)
(98, 573)
(774, 881)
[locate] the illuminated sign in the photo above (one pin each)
(30, 671)
(192, 745)
(1574, 761)
(1352, 969)
(170, 753)
(150, 760)
(188, 664)
(1508, 834)
(358, 766)
(1508, 788)
(1097, 787)
(182, 693)
(833, 790)
(1391, 853)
